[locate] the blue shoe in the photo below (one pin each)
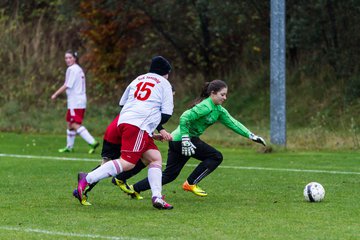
(82, 201)
(82, 185)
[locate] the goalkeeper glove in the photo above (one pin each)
(257, 139)
(187, 147)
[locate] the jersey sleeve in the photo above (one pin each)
(167, 105)
(70, 77)
(124, 97)
(191, 115)
(230, 122)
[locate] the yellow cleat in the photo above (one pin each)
(194, 189)
(83, 200)
(135, 195)
(123, 186)
(128, 189)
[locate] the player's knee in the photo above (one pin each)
(215, 161)
(138, 167)
(218, 157)
(105, 159)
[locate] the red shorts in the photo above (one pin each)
(75, 115)
(134, 142)
(111, 134)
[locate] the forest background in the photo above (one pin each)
(204, 40)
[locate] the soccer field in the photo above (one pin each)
(251, 196)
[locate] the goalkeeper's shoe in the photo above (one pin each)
(194, 188)
(65, 150)
(160, 203)
(82, 201)
(122, 185)
(82, 184)
(93, 147)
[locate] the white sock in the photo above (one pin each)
(84, 133)
(70, 138)
(154, 177)
(108, 169)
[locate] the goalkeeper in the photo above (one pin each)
(186, 143)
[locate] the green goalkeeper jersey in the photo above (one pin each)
(194, 121)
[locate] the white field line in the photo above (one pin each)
(65, 234)
(189, 165)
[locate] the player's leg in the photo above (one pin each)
(82, 131)
(130, 138)
(109, 151)
(110, 168)
(210, 159)
(128, 174)
(91, 186)
(174, 164)
(120, 180)
(154, 177)
(70, 135)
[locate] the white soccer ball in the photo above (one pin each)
(314, 192)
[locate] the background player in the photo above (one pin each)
(75, 87)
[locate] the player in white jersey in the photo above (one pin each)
(75, 87)
(147, 102)
(144, 100)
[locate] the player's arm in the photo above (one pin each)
(58, 92)
(124, 97)
(165, 135)
(164, 119)
(70, 78)
(167, 108)
(167, 105)
(230, 122)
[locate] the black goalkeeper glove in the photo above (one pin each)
(257, 139)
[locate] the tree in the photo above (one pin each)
(110, 31)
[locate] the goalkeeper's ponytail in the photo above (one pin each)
(209, 87)
(205, 91)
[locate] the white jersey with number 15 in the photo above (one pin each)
(144, 100)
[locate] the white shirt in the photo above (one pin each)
(76, 88)
(144, 100)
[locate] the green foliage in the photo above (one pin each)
(323, 33)
(33, 52)
(204, 40)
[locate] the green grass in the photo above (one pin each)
(264, 202)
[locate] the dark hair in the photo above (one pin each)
(74, 54)
(160, 65)
(209, 87)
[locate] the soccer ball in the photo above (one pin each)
(314, 192)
